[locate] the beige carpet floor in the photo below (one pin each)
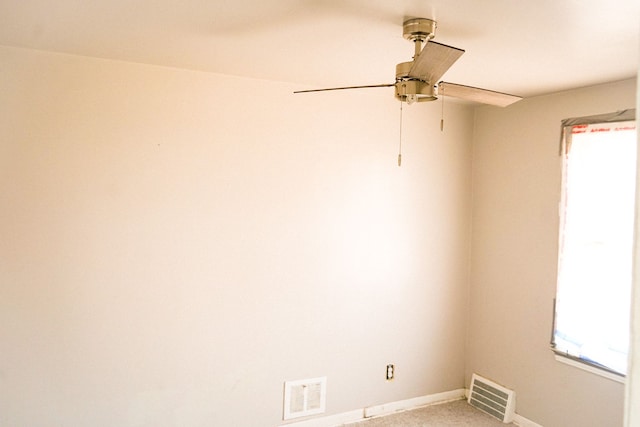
(457, 413)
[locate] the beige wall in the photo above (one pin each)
(632, 403)
(174, 245)
(516, 187)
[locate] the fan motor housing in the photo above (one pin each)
(402, 70)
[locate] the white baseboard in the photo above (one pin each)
(521, 421)
(416, 402)
(378, 410)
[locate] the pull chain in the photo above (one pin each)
(400, 144)
(442, 114)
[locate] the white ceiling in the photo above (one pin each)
(516, 46)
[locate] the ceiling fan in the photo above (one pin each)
(419, 80)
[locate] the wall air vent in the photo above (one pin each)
(304, 397)
(492, 398)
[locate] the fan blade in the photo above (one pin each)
(433, 61)
(343, 88)
(483, 96)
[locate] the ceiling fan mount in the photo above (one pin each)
(419, 29)
(419, 80)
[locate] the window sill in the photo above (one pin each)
(591, 368)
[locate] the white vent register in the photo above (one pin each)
(492, 398)
(304, 397)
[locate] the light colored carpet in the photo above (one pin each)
(457, 413)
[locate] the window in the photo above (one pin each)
(593, 298)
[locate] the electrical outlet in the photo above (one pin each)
(390, 372)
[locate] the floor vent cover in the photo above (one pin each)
(304, 397)
(492, 398)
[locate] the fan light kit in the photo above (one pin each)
(419, 80)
